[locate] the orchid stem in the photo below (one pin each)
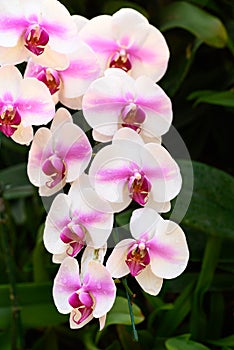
(128, 293)
(17, 331)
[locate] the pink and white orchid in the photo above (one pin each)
(91, 296)
(130, 170)
(73, 222)
(23, 103)
(43, 30)
(69, 85)
(126, 40)
(58, 155)
(117, 100)
(157, 250)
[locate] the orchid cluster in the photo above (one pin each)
(108, 67)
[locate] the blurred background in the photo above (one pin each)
(194, 311)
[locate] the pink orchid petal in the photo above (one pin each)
(102, 321)
(13, 55)
(96, 33)
(152, 57)
(144, 221)
(79, 21)
(57, 218)
(103, 102)
(58, 258)
(90, 254)
(129, 26)
(62, 116)
(59, 23)
(73, 146)
(160, 207)
(168, 251)
(156, 105)
(66, 282)
(98, 136)
(102, 287)
(150, 283)
(37, 154)
(82, 70)
(165, 177)
(23, 135)
(130, 135)
(12, 22)
(94, 214)
(35, 104)
(72, 103)
(52, 59)
(11, 89)
(116, 264)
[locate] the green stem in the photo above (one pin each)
(17, 331)
(128, 293)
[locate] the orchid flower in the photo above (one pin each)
(157, 250)
(117, 100)
(129, 170)
(69, 85)
(91, 296)
(23, 103)
(73, 222)
(126, 40)
(43, 30)
(58, 155)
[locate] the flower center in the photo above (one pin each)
(36, 38)
(120, 59)
(82, 302)
(139, 187)
(50, 78)
(133, 116)
(137, 258)
(9, 120)
(73, 235)
(55, 168)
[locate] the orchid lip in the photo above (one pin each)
(120, 59)
(133, 116)
(137, 258)
(50, 78)
(139, 187)
(36, 39)
(73, 236)
(85, 308)
(9, 120)
(55, 168)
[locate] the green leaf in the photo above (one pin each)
(220, 98)
(40, 255)
(15, 175)
(228, 341)
(119, 314)
(183, 342)
(19, 192)
(211, 208)
(5, 340)
(174, 317)
(199, 322)
(200, 23)
(36, 306)
(15, 183)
